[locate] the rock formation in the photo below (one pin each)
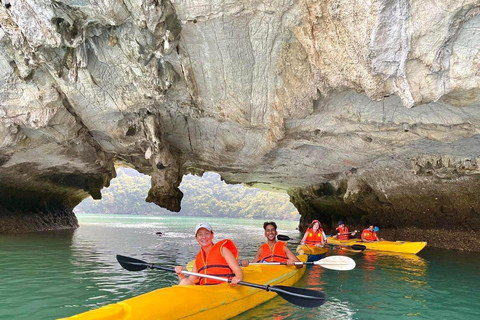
(366, 111)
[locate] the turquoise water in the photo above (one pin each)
(58, 274)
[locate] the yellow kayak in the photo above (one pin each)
(390, 246)
(314, 253)
(221, 301)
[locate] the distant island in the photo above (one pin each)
(205, 196)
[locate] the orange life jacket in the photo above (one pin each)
(343, 233)
(314, 238)
(214, 262)
(369, 235)
(275, 255)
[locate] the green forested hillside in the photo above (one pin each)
(206, 196)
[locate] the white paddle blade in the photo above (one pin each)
(341, 263)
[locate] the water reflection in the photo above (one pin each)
(370, 260)
(313, 277)
(52, 275)
(278, 309)
(409, 267)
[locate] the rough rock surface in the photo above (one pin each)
(366, 110)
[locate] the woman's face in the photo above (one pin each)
(204, 237)
(316, 226)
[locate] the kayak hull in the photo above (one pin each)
(314, 253)
(221, 301)
(388, 246)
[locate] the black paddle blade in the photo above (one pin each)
(131, 264)
(300, 296)
(358, 247)
(282, 237)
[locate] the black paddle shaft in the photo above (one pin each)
(359, 247)
(282, 237)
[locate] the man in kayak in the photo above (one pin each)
(219, 259)
(314, 235)
(343, 233)
(369, 235)
(273, 250)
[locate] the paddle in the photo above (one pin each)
(299, 296)
(340, 263)
(356, 247)
(346, 232)
(282, 237)
(360, 247)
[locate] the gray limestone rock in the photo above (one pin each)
(365, 111)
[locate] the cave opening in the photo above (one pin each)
(205, 196)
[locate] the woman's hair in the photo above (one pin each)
(310, 226)
(266, 223)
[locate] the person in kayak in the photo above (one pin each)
(219, 259)
(369, 234)
(273, 250)
(314, 235)
(343, 233)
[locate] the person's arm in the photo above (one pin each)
(354, 232)
(304, 237)
(350, 234)
(324, 238)
(257, 255)
(291, 258)
(182, 279)
(178, 271)
(246, 262)
(233, 264)
(336, 234)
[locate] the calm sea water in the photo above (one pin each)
(58, 274)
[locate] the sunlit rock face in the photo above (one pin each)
(366, 111)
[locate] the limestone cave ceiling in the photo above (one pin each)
(361, 110)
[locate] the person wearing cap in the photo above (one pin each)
(369, 234)
(273, 250)
(343, 233)
(219, 259)
(314, 235)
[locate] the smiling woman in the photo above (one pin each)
(219, 259)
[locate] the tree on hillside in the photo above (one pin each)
(206, 196)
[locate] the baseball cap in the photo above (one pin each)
(205, 225)
(340, 222)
